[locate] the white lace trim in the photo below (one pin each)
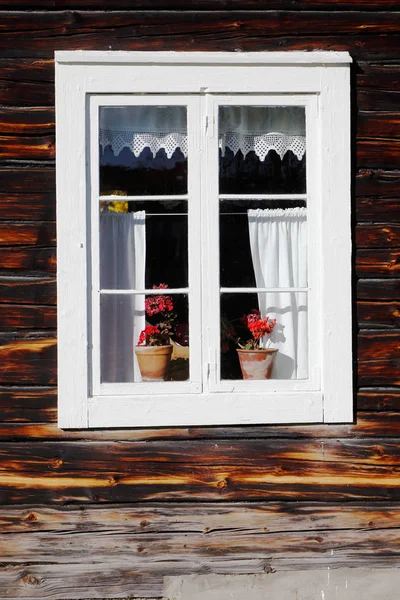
(261, 143)
(272, 213)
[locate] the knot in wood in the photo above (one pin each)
(222, 484)
(30, 579)
(31, 517)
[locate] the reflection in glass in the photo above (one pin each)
(262, 149)
(161, 319)
(289, 335)
(143, 150)
(142, 243)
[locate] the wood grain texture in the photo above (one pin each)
(378, 289)
(378, 399)
(378, 372)
(27, 121)
(25, 290)
(378, 314)
(199, 470)
(378, 125)
(378, 210)
(28, 405)
(28, 359)
(273, 30)
(228, 5)
(26, 260)
(24, 234)
(378, 236)
(377, 182)
(378, 263)
(14, 317)
(27, 82)
(367, 425)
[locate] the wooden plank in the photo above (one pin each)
(23, 121)
(202, 470)
(14, 317)
(378, 125)
(375, 345)
(367, 425)
(378, 314)
(27, 148)
(378, 289)
(378, 372)
(378, 153)
(24, 234)
(228, 5)
(29, 261)
(32, 207)
(28, 405)
(38, 34)
(370, 182)
(236, 543)
(18, 290)
(377, 87)
(204, 519)
(378, 236)
(27, 82)
(28, 360)
(31, 180)
(378, 263)
(375, 99)
(376, 209)
(378, 399)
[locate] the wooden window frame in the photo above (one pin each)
(320, 81)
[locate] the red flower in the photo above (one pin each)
(147, 333)
(160, 303)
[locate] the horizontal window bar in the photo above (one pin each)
(238, 290)
(263, 197)
(164, 291)
(142, 198)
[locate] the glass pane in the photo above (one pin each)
(277, 321)
(163, 354)
(263, 243)
(142, 243)
(262, 150)
(143, 150)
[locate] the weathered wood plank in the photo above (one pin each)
(14, 317)
(370, 182)
(31, 180)
(378, 153)
(376, 99)
(378, 263)
(29, 261)
(25, 206)
(229, 5)
(378, 289)
(377, 87)
(367, 425)
(378, 372)
(27, 148)
(18, 290)
(28, 405)
(378, 125)
(27, 82)
(378, 314)
(378, 399)
(374, 345)
(204, 519)
(374, 209)
(38, 34)
(199, 470)
(23, 121)
(24, 234)
(378, 236)
(28, 360)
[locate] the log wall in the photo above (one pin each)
(108, 513)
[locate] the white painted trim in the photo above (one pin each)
(205, 409)
(201, 58)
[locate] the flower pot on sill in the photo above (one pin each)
(257, 364)
(154, 362)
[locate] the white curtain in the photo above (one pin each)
(278, 241)
(122, 266)
(245, 128)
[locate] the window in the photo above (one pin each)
(203, 205)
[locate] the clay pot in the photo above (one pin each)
(154, 362)
(257, 364)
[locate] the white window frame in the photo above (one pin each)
(320, 81)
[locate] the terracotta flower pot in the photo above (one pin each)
(257, 364)
(154, 362)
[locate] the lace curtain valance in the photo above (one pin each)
(244, 128)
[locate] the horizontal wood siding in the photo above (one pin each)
(108, 513)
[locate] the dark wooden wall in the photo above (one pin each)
(109, 513)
